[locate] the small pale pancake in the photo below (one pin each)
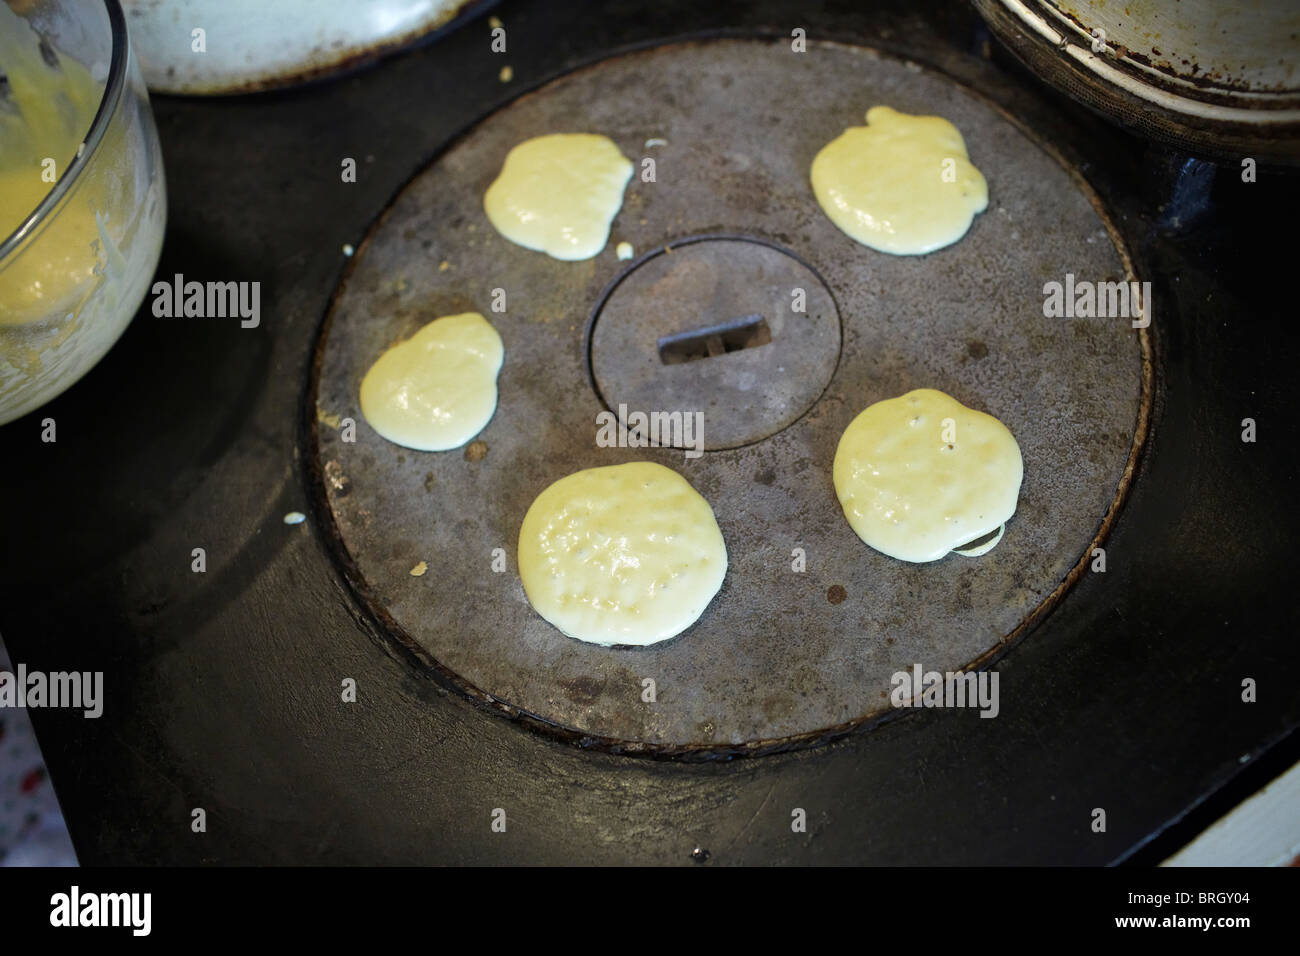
(625, 554)
(901, 184)
(438, 389)
(921, 475)
(558, 194)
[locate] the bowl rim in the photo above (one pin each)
(108, 104)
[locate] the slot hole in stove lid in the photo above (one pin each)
(747, 332)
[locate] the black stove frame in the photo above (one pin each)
(223, 689)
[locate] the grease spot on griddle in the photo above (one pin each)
(778, 707)
(582, 690)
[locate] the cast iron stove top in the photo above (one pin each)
(1119, 690)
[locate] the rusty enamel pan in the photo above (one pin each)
(1212, 77)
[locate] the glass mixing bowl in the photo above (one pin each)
(75, 269)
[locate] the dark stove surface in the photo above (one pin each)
(223, 689)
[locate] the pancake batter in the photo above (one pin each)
(921, 475)
(45, 113)
(626, 554)
(901, 184)
(559, 194)
(438, 389)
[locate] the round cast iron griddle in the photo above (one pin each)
(779, 656)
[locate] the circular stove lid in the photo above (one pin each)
(733, 329)
(801, 642)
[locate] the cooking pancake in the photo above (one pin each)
(901, 184)
(559, 193)
(921, 475)
(438, 389)
(626, 554)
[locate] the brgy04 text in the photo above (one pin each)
(1164, 899)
